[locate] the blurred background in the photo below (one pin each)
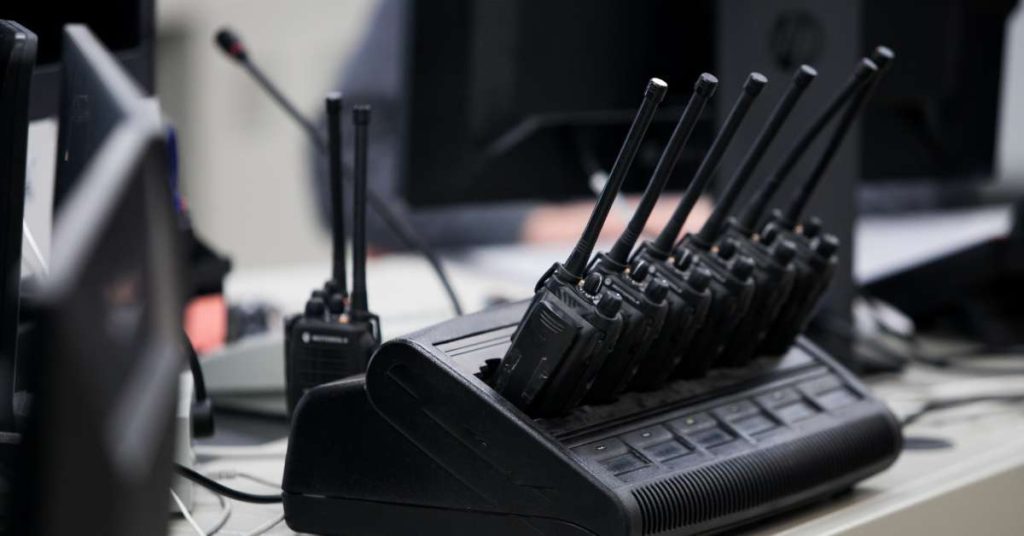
(237, 146)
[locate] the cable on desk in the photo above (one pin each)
(935, 405)
(221, 489)
(228, 474)
(217, 525)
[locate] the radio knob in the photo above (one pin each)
(699, 279)
(609, 304)
(640, 271)
(656, 291)
(592, 283)
(742, 268)
(315, 308)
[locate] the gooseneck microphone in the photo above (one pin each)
(713, 226)
(703, 90)
(881, 59)
(334, 141)
(751, 89)
(653, 96)
(233, 47)
(759, 201)
(359, 306)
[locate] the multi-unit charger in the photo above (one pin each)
(664, 391)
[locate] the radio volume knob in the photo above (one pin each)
(315, 308)
(699, 279)
(640, 271)
(609, 304)
(656, 291)
(592, 284)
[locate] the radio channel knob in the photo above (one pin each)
(656, 291)
(684, 260)
(640, 271)
(811, 227)
(742, 268)
(319, 293)
(609, 304)
(699, 279)
(592, 283)
(336, 303)
(784, 251)
(726, 249)
(826, 245)
(769, 235)
(315, 308)
(331, 286)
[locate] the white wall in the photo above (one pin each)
(244, 164)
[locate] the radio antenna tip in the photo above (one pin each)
(805, 75)
(706, 85)
(656, 88)
(754, 84)
(882, 56)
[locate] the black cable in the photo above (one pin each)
(223, 490)
(935, 405)
(202, 406)
(197, 370)
(413, 241)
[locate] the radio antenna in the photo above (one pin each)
(882, 57)
(361, 120)
(759, 202)
(703, 90)
(653, 95)
(334, 105)
(751, 89)
(798, 84)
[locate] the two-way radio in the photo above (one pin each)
(648, 306)
(735, 270)
(573, 321)
(815, 260)
(772, 274)
(336, 334)
(707, 293)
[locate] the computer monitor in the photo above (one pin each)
(103, 377)
(126, 27)
(17, 57)
(523, 100)
(508, 99)
(96, 96)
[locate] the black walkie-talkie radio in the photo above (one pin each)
(815, 260)
(336, 334)
(747, 281)
(649, 310)
(705, 291)
(772, 274)
(573, 322)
